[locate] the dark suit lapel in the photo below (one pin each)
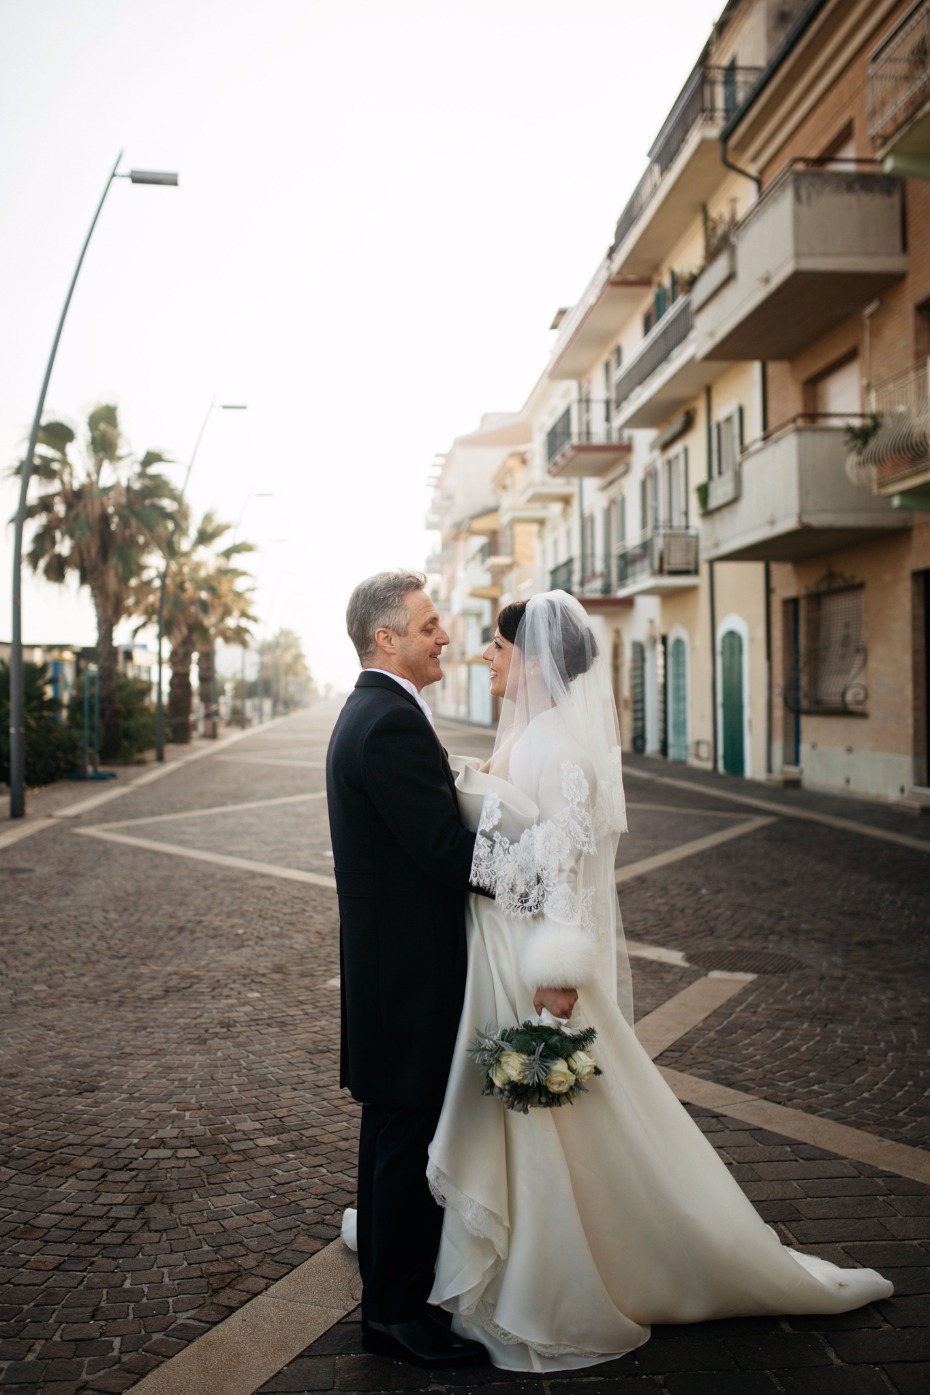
(368, 679)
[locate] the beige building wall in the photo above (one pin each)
(872, 753)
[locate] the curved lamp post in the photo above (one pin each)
(163, 579)
(17, 700)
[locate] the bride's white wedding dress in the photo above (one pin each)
(567, 1232)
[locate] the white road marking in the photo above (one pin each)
(867, 830)
(698, 845)
(241, 864)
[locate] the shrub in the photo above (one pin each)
(137, 717)
(53, 749)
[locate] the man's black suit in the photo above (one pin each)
(402, 862)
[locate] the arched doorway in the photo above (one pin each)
(732, 703)
(678, 699)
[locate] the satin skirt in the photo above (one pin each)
(568, 1232)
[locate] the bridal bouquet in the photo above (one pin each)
(534, 1065)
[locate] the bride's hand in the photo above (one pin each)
(559, 1001)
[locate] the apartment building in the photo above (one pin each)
(826, 281)
(464, 567)
(627, 425)
(727, 453)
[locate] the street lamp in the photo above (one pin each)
(163, 579)
(17, 697)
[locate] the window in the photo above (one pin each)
(835, 392)
(675, 489)
(588, 558)
(922, 330)
(826, 664)
(649, 500)
(728, 442)
(729, 87)
(618, 358)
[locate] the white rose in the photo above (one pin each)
(582, 1065)
(512, 1063)
(559, 1077)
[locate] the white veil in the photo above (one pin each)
(558, 742)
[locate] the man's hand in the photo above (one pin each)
(559, 1001)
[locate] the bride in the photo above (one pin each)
(567, 1232)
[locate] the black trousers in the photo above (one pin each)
(399, 1223)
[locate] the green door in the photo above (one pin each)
(678, 701)
(638, 695)
(731, 662)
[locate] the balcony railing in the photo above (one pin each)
(661, 341)
(899, 76)
(710, 95)
(582, 576)
(667, 552)
(584, 443)
(823, 239)
(899, 450)
(795, 500)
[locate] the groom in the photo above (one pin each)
(402, 863)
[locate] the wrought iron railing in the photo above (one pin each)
(710, 95)
(582, 576)
(899, 76)
(666, 552)
(585, 422)
(896, 442)
(671, 331)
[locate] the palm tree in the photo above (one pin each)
(290, 676)
(204, 601)
(101, 514)
(227, 615)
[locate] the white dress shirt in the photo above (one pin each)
(409, 687)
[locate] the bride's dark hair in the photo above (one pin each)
(509, 620)
(579, 647)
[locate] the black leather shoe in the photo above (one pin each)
(421, 1342)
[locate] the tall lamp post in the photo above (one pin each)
(17, 696)
(163, 579)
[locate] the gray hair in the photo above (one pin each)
(378, 603)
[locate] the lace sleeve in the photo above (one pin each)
(546, 873)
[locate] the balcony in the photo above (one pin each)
(819, 245)
(588, 578)
(899, 93)
(683, 172)
(793, 500)
(666, 373)
(895, 461)
(541, 493)
(661, 563)
(583, 445)
(591, 326)
(500, 551)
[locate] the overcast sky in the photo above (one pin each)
(382, 204)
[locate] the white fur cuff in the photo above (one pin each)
(554, 957)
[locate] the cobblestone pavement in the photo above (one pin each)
(175, 1140)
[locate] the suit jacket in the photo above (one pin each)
(402, 861)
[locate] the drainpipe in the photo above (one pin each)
(713, 661)
(725, 160)
(767, 583)
(709, 429)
